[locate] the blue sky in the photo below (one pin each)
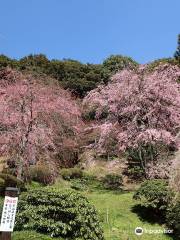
(89, 30)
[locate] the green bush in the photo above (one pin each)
(89, 115)
(71, 173)
(154, 194)
(135, 172)
(173, 217)
(6, 61)
(151, 66)
(12, 181)
(60, 214)
(89, 176)
(79, 184)
(115, 63)
(42, 174)
(2, 186)
(112, 181)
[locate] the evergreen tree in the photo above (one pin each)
(177, 53)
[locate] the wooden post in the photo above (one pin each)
(11, 192)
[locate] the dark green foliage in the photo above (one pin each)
(7, 62)
(112, 181)
(37, 62)
(79, 78)
(59, 214)
(73, 75)
(135, 172)
(116, 63)
(154, 194)
(177, 53)
(89, 115)
(173, 217)
(12, 181)
(79, 184)
(71, 173)
(42, 174)
(156, 63)
(78, 87)
(2, 186)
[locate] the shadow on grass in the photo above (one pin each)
(102, 189)
(148, 214)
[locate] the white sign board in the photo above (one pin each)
(8, 214)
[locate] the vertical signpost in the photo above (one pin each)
(8, 213)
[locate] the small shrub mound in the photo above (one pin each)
(112, 181)
(59, 214)
(42, 174)
(154, 194)
(71, 173)
(173, 217)
(79, 184)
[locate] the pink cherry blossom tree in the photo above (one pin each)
(34, 119)
(143, 111)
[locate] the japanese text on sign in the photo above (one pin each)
(8, 214)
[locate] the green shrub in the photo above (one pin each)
(156, 63)
(89, 176)
(135, 172)
(89, 115)
(115, 63)
(71, 173)
(79, 184)
(154, 194)
(60, 214)
(42, 174)
(12, 181)
(2, 186)
(112, 181)
(173, 217)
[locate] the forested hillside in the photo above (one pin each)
(94, 128)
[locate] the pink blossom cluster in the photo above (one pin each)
(33, 116)
(143, 106)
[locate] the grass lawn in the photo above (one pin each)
(117, 216)
(29, 236)
(119, 222)
(115, 211)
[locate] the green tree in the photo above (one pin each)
(177, 53)
(116, 63)
(79, 78)
(6, 61)
(37, 62)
